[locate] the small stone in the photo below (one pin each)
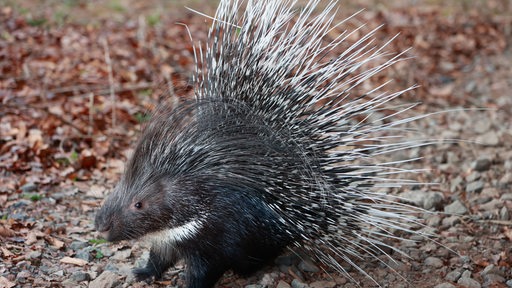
(77, 245)
(122, 254)
(456, 208)
(466, 280)
(490, 138)
(434, 262)
(445, 285)
(269, 279)
(506, 179)
(432, 200)
(28, 187)
(482, 164)
(308, 266)
(322, 284)
(453, 276)
(107, 279)
(474, 176)
(482, 125)
(415, 197)
(296, 283)
(80, 276)
(490, 279)
(504, 214)
(506, 196)
(434, 221)
(492, 205)
(475, 187)
(34, 255)
(283, 284)
(84, 254)
(451, 221)
(492, 269)
(455, 183)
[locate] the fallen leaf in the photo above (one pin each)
(5, 283)
(6, 232)
(6, 253)
(74, 261)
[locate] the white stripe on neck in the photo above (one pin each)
(176, 234)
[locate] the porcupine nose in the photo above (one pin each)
(101, 225)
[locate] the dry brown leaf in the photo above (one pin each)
(31, 238)
(74, 261)
(6, 232)
(55, 242)
(5, 283)
(6, 253)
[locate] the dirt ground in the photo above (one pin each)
(77, 79)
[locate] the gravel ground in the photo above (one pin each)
(50, 241)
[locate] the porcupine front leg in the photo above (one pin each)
(160, 259)
(202, 273)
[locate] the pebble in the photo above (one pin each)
(455, 183)
(451, 221)
(474, 176)
(445, 285)
(490, 279)
(77, 245)
(434, 262)
(492, 269)
(466, 280)
(493, 205)
(415, 197)
(107, 279)
(482, 125)
(475, 187)
(490, 138)
(28, 187)
(453, 276)
(504, 214)
(34, 255)
(506, 179)
(296, 283)
(122, 254)
(283, 284)
(456, 208)
(322, 284)
(80, 276)
(308, 266)
(433, 200)
(84, 254)
(482, 164)
(269, 279)
(434, 221)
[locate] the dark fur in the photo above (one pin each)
(240, 232)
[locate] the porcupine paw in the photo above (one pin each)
(145, 274)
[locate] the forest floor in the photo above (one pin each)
(77, 79)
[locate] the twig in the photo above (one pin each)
(110, 80)
(91, 113)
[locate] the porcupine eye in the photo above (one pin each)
(138, 205)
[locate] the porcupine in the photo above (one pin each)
(273, 152)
